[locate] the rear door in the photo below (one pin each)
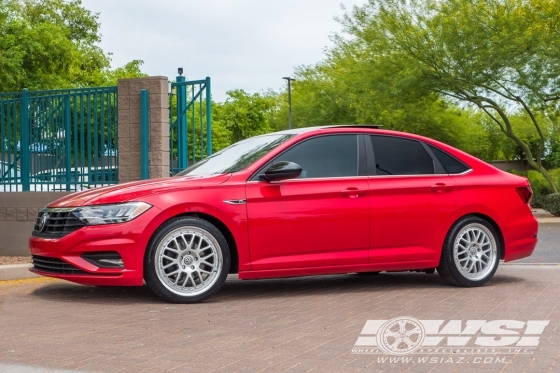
(320, 219)
(412, 198)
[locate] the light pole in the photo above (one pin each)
(289, 100)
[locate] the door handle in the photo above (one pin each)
(352, 192)
(441, 188)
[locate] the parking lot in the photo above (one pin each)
(295, 325)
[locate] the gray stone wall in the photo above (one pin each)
(18, 211)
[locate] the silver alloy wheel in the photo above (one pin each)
(475, 251)
(188, 261)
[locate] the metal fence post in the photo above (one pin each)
(24, 133)
(67, 140)
(182, 131)
(208, 118)
(144, 134)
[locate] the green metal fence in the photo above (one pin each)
(58, 139)
(190, 118)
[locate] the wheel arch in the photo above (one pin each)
(228, 235)
(491, 221)
(498, 230)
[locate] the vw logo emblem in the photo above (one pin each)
(43, 221)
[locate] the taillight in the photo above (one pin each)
(526, 193)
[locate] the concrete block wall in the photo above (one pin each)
(18, 211)
(129, 127)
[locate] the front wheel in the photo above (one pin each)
(471, 253)
(187, 260)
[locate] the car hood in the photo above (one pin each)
(137, 189)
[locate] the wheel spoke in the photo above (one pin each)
(475, 251)
(396, 343)
(389, 333)
(174, 252)
(408, 342)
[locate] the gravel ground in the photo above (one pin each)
(14, 259)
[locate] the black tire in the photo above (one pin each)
(191, 264)
(471, 252)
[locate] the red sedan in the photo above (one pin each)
(303, 202)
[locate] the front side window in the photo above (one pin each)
(400, 156)
(325, 156)
(236, 157)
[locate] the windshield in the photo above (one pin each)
(236, 157)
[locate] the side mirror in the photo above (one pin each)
(281, 171)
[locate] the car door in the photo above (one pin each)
(318, 219)
(412, 198)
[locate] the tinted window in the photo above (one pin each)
(325, 156)
(452, 165)
(398, 156)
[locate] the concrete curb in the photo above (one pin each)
(16, 272)
(552, 220)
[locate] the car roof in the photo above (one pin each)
(299, 131)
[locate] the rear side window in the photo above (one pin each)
(451, 165)
(399, 156)
(325, 156)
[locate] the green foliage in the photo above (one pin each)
(46, 44)
(538, 183)
(551, 203)
(242, 115)
(498, 56)
(536, 201)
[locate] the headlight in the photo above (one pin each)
(110, 214)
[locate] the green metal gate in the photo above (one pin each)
(58, 139)
(190, 119)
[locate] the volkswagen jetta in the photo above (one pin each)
(322, 200)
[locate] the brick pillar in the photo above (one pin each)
(128, 91)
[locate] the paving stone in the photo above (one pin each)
(293, 325)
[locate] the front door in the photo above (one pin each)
(319, 219)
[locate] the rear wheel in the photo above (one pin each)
(471, 253)
(187, 260)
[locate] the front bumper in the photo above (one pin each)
(129, 240)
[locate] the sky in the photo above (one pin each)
(240, 44)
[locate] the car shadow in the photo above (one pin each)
(235, 290)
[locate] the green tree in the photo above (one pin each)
(501, 56)
(48, 44)
(242, 115)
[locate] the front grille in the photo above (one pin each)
(54, 265)
(57, 224)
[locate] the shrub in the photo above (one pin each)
(539, 184)
(536, 202)
(551, 203)
(555, 173)
(518, 173)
